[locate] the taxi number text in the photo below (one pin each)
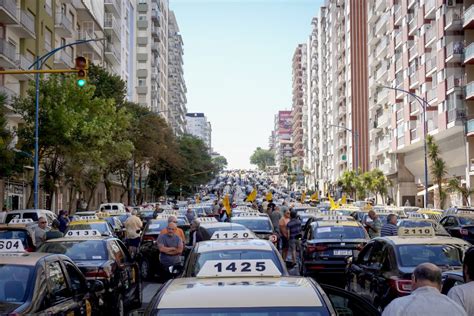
(11, 245)
(82, 233)
(416, 231)
(230, 235)
(244, 266)
(21, 221)
(238, 268)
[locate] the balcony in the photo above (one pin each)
(456, 115)
(413, 52)
(399, 115)
(112, 54)
(63, 25)
(430, 35)
(112, 6)
(470, 91)
(468, 18)
(381, 72)
(469, 54)
(453, 82)
(398, 64)
(430, 66)
(111, 26)
(454, 52)
(414, 134)
(382, 121)
(142, 89)
(413, 78)
(398, 39)
(26, 26)
(8, 57)
(382, 96)
(381, 25)
(412, 25)
(155, 32)
(398, 15)
(382, 47)
(431, 95)
(24, 63)
(10, 94)
(62, 59)
(453, 20)
(430, 9)
(470, 128)
(8, 11)
(48, 9)
(380, 5)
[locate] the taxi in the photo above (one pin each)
(423, 222)
(235, 287)
(105, 259)
(460, 225)
(41, 283)
(91, 222)
(208, 229)
(261, 225)
(382, 270)
(22, 229)
(431, 213)
(328, 241)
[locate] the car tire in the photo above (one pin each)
(138, 299)
(119, 307)
(145, 270)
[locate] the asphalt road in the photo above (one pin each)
(149, 290)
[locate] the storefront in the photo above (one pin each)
(15, 195)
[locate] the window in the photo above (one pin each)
(363, 257)
(78, 284)
(48, 39)
(450, 222)
(57, 282)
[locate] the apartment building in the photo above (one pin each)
(282, 144)
(198, 125)
(176, 84)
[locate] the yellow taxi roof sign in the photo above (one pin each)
(427, 231)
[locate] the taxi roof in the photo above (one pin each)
(248, 290)
(22, 258)
(82, 222)
(436, 240)
(219, 225)
(78, 238)
(258, 218)
(233, 244)
(337, 223)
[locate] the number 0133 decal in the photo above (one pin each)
(237, 268)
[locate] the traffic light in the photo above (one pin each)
(82, 64)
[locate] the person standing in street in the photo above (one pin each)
(390, 228)
(294, 235)
(40, 231)
(171, 247)
(189, 215)
(374, 226)
(264, 206)
(464, 294)
(179, 232)
(63, 221)
(283, 208)
(284, 234)
(54, 232)
(425, 298)
(133, 226)
(275, 217)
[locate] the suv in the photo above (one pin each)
(30, 213)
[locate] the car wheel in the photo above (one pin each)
(119, 307)
(145, 269)
(138, 299)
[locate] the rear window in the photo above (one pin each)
(32, 215)
(212, 229)
(339, 232)
(466, 220)
(101, 227)
(14, 283)
(235, 255)
(154, 227)
(244, 311)
(440, 255)
(254, 224)
(77, 250)
(15, 234)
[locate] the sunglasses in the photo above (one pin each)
(43, 222)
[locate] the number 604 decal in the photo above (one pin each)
(235, 268)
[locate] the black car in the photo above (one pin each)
(327, 244)
(261, 225)
(206, 230)
(460, 226)
(45, 284)
(450, 279)
(382, 270)
(105, 259)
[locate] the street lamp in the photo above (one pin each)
(424, 104)
(38, 64)
(356, 145)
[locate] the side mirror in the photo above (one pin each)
(176, 269)
(96, 285)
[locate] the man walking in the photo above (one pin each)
(426, 298)
(374, 225)
(390, 228)
(275, 217)
(171, 247)
(133, 226)
(294, 234)
(463, 294)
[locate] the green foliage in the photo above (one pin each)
(220, 163)
(438, 167)
(262, 158)
(455, 185)
(361, 185)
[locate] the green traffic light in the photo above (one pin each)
(81, 82)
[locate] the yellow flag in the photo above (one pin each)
(343, 199)
(269, 196)
(332, 203)
(226, 203)
(314, 196)
(198, 200)
(303, 197)
(252, 196)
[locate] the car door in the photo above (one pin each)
(59, 299)
(307, 235)
(357, 272)
(449, 223)
(130, 273)
(378, 266)
(348, 303)
(78, 285)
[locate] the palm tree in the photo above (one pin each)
(455, 185)
(438, 167)
(348, 182)
(380, 184)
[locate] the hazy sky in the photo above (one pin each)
(237, 65)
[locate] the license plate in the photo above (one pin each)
(342, 252)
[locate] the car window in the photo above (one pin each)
(15, 234)
(78, 284)
(14, 283)
(114, 207)
(77, 250)
(254, 224)
(364, 255)
(32, 215)
(450, 221)
(441, 255)
(466, 220)
(57, 282)
(11, 216)
(117, 253)
(339, 232)
(377, 255)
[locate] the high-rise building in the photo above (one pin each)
(198, 125)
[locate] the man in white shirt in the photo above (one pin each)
(464, 294)
(133, 226)
(426, 298)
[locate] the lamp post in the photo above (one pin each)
(356, 145)
(38, 64)
(424, 104)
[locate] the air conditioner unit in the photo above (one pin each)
(451, 3)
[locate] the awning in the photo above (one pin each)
(431, 188)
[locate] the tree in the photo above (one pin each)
(348, 182)
(455, 185)
(438, 168)
(220, 162)
(262, 158)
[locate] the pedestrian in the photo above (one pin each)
(294, 234)
(425, 298)
(54, 232)
(390, 228)
(215, 209)
(284, 234)
(179, 232)
(171, 248)
(275, 217)
(283, 208)
(133, 226)
(463, 294)
(373, 227)
(189, 215)
(270, 207)
(40, 231)
(63, 221)
(264, 206)
(194, 233)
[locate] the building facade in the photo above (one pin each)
(198, 126)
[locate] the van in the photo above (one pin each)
(30, 213)
(112, 207)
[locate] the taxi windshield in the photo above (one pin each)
(242, 311)
(235, 255)
(254, 224)
(338, 232)
(101, 227)
(77, 250)
(154, 226)
(212, 229)
(15, 234)
(440, 255)
(14, 283)
(466, 220)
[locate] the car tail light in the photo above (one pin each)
(98, 274)
(401, 286)
(315, 267)
(30, 249)
(148, 238)
(316, 248)
(464, 232)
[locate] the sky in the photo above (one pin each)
(237, 66)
